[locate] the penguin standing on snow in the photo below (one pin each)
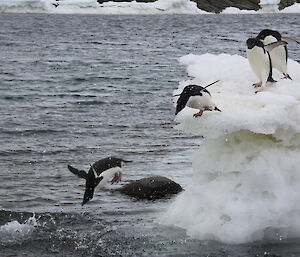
(279, 56)
(99, 174)
(196, 97)
(260, 60)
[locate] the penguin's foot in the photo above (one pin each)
(259, 90)
(117, 178)
(198, 113)
(287, 76)
(207, 108)
(258, 84)
(270, 79)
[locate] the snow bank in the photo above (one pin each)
(295, 8)
(269, 6)
(26, 6)
(234, 10)
(158, 7)
(93, 7)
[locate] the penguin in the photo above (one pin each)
(196, 97)
(99, 174)
(260, 61)
(279, 56)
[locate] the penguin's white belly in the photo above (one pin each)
(201, 102)
(107, 176)
(269, 40)
(259, 62)
(278, 55)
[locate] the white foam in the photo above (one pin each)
(246, 182)
(15, 232)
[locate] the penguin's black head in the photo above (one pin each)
(252, 42)
(113, 161)
(268, 32)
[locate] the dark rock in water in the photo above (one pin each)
(151, 188)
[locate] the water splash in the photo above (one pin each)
(14, 232)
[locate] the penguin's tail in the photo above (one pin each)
(79, 173)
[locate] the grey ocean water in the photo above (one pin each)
(76, 88)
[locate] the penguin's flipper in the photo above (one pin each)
(182, 101)
(79, 173)
(289, 40)
(88, 195)
(270, 47)
(98, 180)
(270, 78)
(179, 107)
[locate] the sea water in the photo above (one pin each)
(76, 88)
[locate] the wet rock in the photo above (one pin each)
(151, 188)
(286, 3)
(219, 5)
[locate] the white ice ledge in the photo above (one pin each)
(246, 179)
(275, 111)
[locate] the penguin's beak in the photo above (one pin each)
(126, 161)
(217, 109)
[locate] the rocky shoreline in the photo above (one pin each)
(218, 6)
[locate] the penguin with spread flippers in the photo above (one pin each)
(260, 61)
(196, 97)
(279, 56)
(100, 173)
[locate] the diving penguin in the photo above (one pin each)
(279, 56)
(260, 61)
(196, 97)
(99, 174)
